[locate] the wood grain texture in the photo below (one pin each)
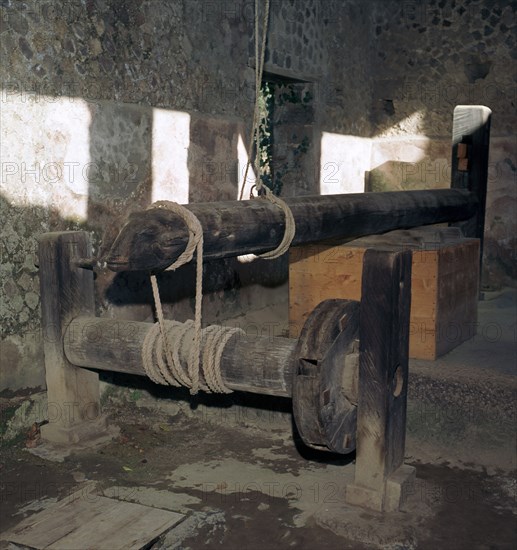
(324, 395)
(93, 521)
(444, 283)
(154, 238)
(256, 364)
(66, 291)
(383, 366)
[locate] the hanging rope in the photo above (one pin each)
(290, 226)
(259, 70)
(195, 242)
(161, 362)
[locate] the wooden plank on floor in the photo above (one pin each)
(53, 522)
(93, 522)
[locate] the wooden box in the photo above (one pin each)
(444, 282)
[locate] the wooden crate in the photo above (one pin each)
(444, 282)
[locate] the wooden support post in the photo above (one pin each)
(380, 475)
(470, 149)
(66, 291)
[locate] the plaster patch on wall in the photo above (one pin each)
(45, 153)
(409, 162)
(406, 149)
(415, 123)
(20, 361)
(170, 144)
(344, 162)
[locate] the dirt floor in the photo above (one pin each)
(237, 470)
(244, 488)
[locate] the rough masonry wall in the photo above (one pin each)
(430, 56)
(108, 105)
(328, 43)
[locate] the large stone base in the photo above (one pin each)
(58, 442)
(397, 487)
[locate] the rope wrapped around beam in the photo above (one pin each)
(166, 367)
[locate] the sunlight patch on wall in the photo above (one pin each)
(414, 124)
(242, 157)
(45, 153)
(170, 147)
(403, 158)
(344, 161)
(411, 149)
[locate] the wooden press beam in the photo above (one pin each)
(256, 364)
(154, 238)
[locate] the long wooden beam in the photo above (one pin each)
(152, 239)
(251, 363)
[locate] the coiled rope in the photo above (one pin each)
(161, 360)
(161, 363)
(168, 370)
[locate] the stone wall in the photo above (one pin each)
(108, 105)
(430, 56)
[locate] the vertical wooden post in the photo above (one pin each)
(67, 291)
(469, 168)
(380, 475)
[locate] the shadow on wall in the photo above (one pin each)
(122, 179)
(463, 54)
(21, 336)
(119, 182)
(213, 162)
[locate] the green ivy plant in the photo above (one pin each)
(272, 176)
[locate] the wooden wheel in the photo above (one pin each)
(325, 377)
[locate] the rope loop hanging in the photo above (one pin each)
(263, 190)
(195, 244)
(161, 361)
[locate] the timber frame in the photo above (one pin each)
(346, 368)
(347, 373)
